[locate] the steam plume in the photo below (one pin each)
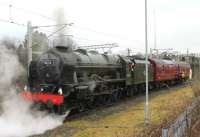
(16, 117)
(63, 39)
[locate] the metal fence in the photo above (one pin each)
(183, 123)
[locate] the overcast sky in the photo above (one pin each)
(108, 21)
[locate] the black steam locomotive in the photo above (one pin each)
(62, 79)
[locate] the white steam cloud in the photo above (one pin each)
(16, 117)
(62, 32)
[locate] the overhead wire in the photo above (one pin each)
(67, 24)
(75, 25)
(85, 39)
(33, 12)
(56, 31)
(74, 37)
(12, 22)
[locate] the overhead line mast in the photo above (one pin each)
(146, 107)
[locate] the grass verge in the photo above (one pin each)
(127, 118)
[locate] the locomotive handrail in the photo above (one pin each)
(98, 66)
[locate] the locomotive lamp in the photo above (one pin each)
(25, 88)
(60, 91)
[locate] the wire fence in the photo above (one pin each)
(183, 124)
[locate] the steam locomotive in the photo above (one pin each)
(62, 79)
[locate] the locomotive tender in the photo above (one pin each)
(62, 79)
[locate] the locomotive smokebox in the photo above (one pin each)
(49, 67)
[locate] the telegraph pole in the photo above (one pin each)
(146, 110)
(29, 43)
(155, 29)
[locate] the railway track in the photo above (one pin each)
(75, 114)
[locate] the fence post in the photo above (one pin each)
(164, 132)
